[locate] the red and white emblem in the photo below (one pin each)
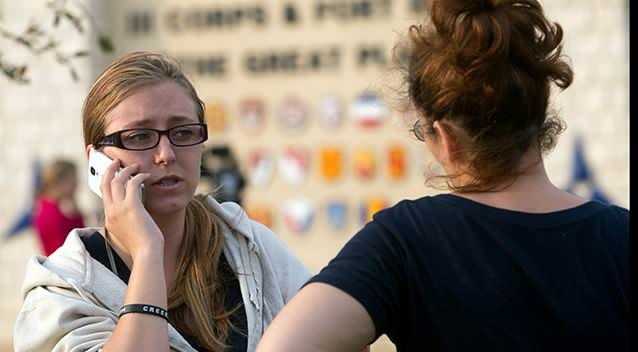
(294, 164)
(368, 110)
(260, 167)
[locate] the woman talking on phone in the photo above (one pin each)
(170, 270)
(505, 262)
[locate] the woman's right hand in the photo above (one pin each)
(132, 230)
(129, 224)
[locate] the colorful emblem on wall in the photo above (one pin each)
(330, 163)
(292, 114)
(261, 214)
(216, 117)
(298, 215)
(252, 115)
(336, 214)
(396, 162)
(330, 112)
(369, 207)
(294, 164)
(260, 167)
(368, 110)
(365, 163)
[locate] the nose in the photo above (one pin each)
(164, 153)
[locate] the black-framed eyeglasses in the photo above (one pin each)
(148, 138)
(418, 130)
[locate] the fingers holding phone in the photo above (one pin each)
(122, 187)
(98, 165)
(126, 219)
(107, 182)
(135, 185)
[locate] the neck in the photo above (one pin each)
(532, 191)
(172, 226)
(53, 195)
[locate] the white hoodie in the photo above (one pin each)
(71, 300)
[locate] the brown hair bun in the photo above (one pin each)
(487, 66)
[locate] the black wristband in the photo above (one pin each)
(144, 309)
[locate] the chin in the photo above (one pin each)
(167, 206)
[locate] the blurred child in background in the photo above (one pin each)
(56, 212)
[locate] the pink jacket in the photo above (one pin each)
(52, 225)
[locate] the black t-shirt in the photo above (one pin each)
(445, 273)
(237, 339)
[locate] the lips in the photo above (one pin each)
(167, 181)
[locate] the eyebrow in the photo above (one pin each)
(146, 122)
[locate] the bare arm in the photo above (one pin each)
(319, 318)
(132, 228)
(143, 332)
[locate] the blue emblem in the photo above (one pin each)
(336, 214)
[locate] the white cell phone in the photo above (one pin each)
(98, 162)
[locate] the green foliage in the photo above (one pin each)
(105, 43)
(39, 41)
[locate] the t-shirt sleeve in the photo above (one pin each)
(369, 268)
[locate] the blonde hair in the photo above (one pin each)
(53, 173)
(198, 289)
(123, 77)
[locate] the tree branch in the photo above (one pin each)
(39, 41)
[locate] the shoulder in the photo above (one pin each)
(612, 220)
(71, 259)
(69, 265)
(234, 216)
(45, 203)
(259, 237)
(407, 227)
(598, 216)
(45, 208)
(415, 208)
(282, 271)
(407, 215)
(622, 214)
(56, 279)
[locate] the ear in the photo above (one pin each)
(88, 149)
(448, 140)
